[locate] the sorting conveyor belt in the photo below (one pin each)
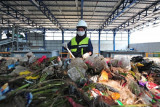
(6, 41)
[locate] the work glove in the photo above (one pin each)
(65, 45)
(86, 55)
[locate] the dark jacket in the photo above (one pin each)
(87, 49)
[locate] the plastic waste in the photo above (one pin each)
(107, 99)
(115, 96)
(133, 86)
(137, 59)
(76, 73)
(42, 58)
(143, 81)
(119, 102)
(17, 70)
(81, 82)
(97, 63)
(73, 103)
(3, 90)
(146, 97)
(77, 62)
(66, 63)
(121, 61)
(94, 78)
(49, 70)
(72, 90)
(154, 89)
(28, 77)
(104, 76)
(30, 57)
(11, 66)
(29, 97)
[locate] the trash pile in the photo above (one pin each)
(92, 82)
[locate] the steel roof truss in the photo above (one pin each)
(44, 9)
(120, 9)
(139, 16)
(16, 14)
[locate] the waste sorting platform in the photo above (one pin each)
(113, 53)
(37, 53)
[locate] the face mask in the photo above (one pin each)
(80, 33)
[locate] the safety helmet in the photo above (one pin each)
(82, 23)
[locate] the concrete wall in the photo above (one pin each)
(146, 47)
(105, 45)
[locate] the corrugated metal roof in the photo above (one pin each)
(64, 14)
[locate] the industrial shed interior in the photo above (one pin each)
(32, 38)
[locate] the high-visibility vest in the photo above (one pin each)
(82, 44)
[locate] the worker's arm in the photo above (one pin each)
(89, 50)
(67, 45)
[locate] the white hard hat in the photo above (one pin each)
(82, 23)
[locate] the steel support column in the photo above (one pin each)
(114, 43)
(44, 41)
(129, 38)
(26, 36)
(81, 9)
(13, 33)
(62, 40)
(17, 32)
(1, 33)
(99, 44)
(7, 38)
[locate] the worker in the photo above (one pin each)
(80, 45)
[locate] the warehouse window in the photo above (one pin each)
(57, 35)
(93, 35)
(125, 36)
(49, 35)
(68, 35)
(53, 35)
(118, 36)
(147, 35)
(103, 35)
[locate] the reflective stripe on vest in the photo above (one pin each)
(81, 44)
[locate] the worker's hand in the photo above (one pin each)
(65, 45)
(86, 55)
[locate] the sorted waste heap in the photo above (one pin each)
(93, 82)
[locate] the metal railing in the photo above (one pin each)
(6, 41)
(148, 54)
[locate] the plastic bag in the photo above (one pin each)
(28, 57)
(98, 63)
(121, 61)
(94, 78)
(76, 73)
(17, 70)
(77, 62)
(154, 89)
